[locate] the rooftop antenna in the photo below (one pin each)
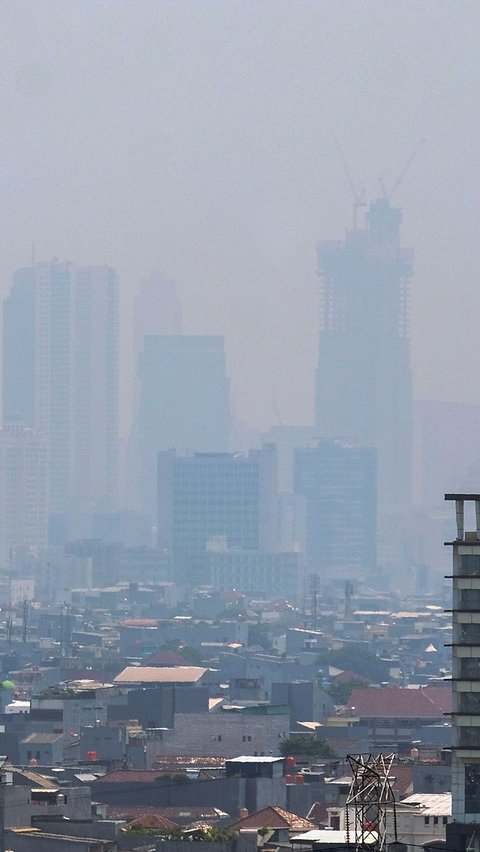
(358, 196)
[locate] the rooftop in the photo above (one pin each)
(430, 702)
(160, 674)
(255, 759)
(431, 804)
(273, 817)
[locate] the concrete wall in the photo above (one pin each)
(155, 707)
(107, 829)
(51, 843)
(225, 734)
(227, 794)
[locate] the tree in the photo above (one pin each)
(307, 744)
(340, 692)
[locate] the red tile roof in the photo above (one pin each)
(147, 819)
(430, 702)
(130, 776)
(402, 778)
(165, 658)
(273, 817)
(347, 675)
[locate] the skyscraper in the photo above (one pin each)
(339, 487)
(183, 403)
(158, 309)
(23, 491)
(363, 384)
(94, 410)
(205, 496)
(60, 376)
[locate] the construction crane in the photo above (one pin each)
(389, 195)
(358, 196)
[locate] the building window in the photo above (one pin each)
(470, 564)
(470, 667)
(472, 785)
(469, 737)
(469, 633)
(435, 820)
(426, 820)
(470, 599)
(469, 702)
(444, 820)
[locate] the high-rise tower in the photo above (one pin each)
(338, 483)
(183, 403)
(463, 833)
(158, 309)
(60, 376)
(23, 491)
(363, 383)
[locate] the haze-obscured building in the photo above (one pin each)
(23, 491)
(363, 382)
(183, 403)
(339, 487)
(206, 495)
(158, 309)
(60, 377)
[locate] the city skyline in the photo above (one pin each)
(187, 138)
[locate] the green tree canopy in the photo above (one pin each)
(308, 744)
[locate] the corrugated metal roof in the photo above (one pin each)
(432, 804)
(160, 674)
(41, 738)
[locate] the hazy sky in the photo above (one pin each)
(196, 137)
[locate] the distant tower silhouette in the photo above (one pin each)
(363, 382)
(158, 309)
(60, 377)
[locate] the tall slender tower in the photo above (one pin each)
(23, 491)
(60, 376)
(363, 382)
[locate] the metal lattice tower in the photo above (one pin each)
(369, 797)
